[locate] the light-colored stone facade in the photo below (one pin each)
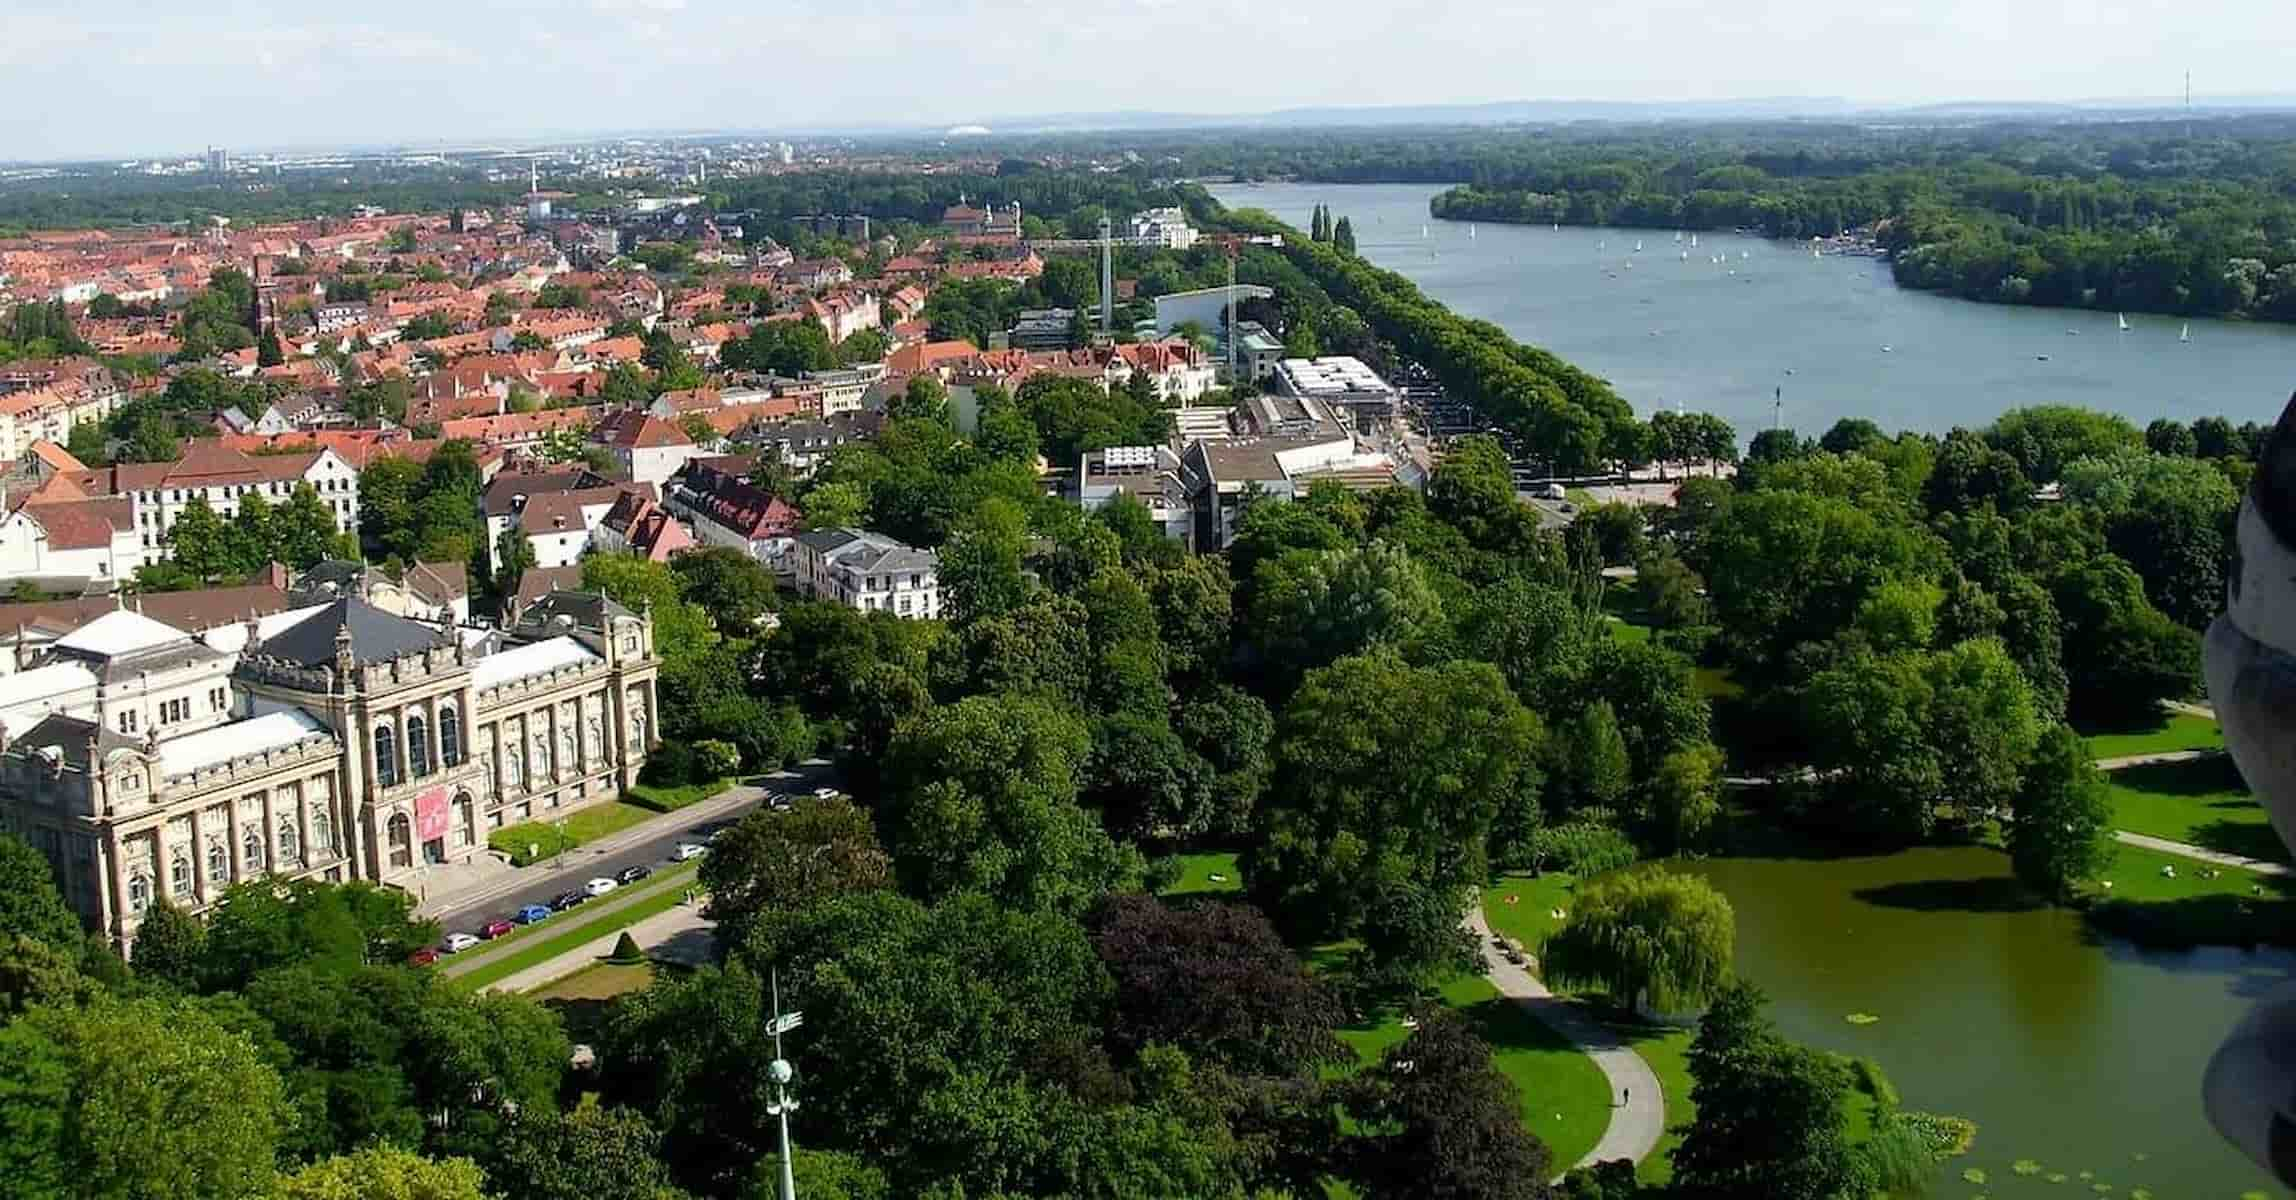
(398, 751)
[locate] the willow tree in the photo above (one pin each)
(1650, 939)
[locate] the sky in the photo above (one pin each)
(81, 79)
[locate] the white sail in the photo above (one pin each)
(1422, 231)
(1678, 235)
(2124, 322)
(1694, 239)
(1638, 245)
(2185, 334)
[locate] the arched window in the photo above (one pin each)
(322, 831)
(449, 737)
(567, 755)
(541, 761)
(418, 748)
(386, 755)
(251, 850)
(290, 843)
(402, 841)
(513, 769)
(139, 892)
(218, 864)
(179, 874)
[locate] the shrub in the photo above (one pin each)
(714, 759)
(626, 952)
(1581, 848)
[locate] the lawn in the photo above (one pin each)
(2201, 801)
(2199, 906)
(2177, 731)
(1565, 1099)
(1530, 918)
(604, 981)
(1628, 632)
(544, 838)
(1196, 871)
(671, 799)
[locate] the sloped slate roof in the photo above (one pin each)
(376, 636)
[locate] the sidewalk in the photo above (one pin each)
(679, 924)
(1637, 1124)
(653, 827)
(601, 911)
(2146, 760)
(2199, 854)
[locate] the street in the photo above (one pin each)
(648, 844)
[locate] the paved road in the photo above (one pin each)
(648, 844)
(1638, 1104)
(682, 926)
(2201, 854)
(2159, 756)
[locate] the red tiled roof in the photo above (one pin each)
(83, 524)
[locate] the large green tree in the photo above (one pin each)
(1772, 1116)
(773, 861)
(2061, 834)
(1653, 939)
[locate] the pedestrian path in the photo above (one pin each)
(1638, 1115)
(2202, 854)
(2158, 756)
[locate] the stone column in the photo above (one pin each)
(198, 857)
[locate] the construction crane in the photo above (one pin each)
(1233, 244)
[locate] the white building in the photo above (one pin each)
(1342, 384)
(649, 447)
(91, 540)
(1166, 227)
(1207, 307)
(209, 471)
(868, 571)
(1148, 474)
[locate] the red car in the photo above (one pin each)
(496, 928)
(423, 957)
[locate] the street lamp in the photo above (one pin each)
(780, 1072)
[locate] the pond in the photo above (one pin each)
(2077, 1053)
(1827, 337)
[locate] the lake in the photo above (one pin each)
(2077, 1053)
(1830, 337)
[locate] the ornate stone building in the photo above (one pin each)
(345, 743)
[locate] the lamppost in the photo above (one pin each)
(781, 1073)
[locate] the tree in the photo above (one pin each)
(513, 557)
(980, 796)
(1405, 801)
(170, 946)
(384, 1173)
(626, 387)
(591, 1153)
(1684, 796)
(818, 850)
(261, 923)
(2062, 832)
(30, 905)
(1312, 609)
(1217, 980)
(201, 543)
(1449, 1125)
(303, 530)
(1590, 764)
(980, 569)
(1654, 940)
(1670, 593)
(1772, 1116)
(267, 351)
(736, 590)
(135, 1100)
(1343, 236)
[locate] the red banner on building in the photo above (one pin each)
(430, 815)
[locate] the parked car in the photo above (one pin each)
(566, 900)
(825, 793)
(423, 957)
(533, 913)
(456, 943)
(714, 835)
(599, 887)
(686, 850)
(496, 928)
(634, 874)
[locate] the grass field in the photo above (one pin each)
(603, 981)
(2201, 801)
(546, 838)
(1529, 919)
(1631, 634)
(1196, 871)
(2176, 731)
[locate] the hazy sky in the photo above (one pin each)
(79, 77)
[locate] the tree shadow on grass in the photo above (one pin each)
(2191, 777)
(1987, 894)
(2245, 838)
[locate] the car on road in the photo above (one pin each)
(825, 793)
(633, 874)
(496, 928)
(566, 900)
(532, 913)
(599, 887)
(686, 850)
(423, 957)
(456, 943)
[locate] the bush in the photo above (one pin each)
(670, 765)
(713, 759)
(1581, 848)
(626, 952)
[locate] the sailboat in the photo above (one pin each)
(2124, 322)
(1678, 235)
(1694, 240)
(2185, 334)
(1558, 227)
(1470, 230)
(1743, 255)
(1816, 253)
(1601, 244)
(1638, 245)
(1686, 256)
(1423, 231)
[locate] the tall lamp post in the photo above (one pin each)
(781, 1073)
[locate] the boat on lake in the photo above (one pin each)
(2185, 334)
(2124, 322)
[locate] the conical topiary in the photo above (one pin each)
(626, 952)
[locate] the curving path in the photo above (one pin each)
(1637, 1124)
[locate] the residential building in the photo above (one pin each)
(1218, 476)
(1343, 384)
(343, 743)
(868, 571)
(1166, 227)
(728, 510)
(1148, 474)
(438, 593)
(649, 447)
(220, 476)
(637, 525)
(1042, 329)
(71, 546)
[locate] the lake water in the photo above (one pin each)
(2076, 1053)
(1773, 322)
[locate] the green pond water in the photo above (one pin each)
(2076, 1052)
